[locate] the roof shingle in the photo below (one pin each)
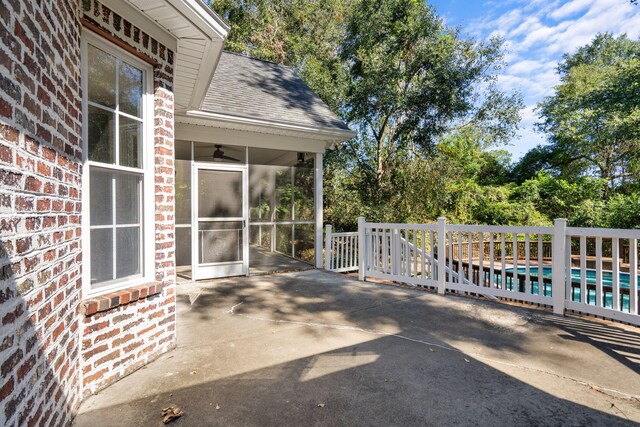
(251, 88)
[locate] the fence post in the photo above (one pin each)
(559, 267)
(328, 244)
(442, 260)
(396, 256)
(361, 247)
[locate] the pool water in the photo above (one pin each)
(607, 280)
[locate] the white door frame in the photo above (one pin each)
(222, 269)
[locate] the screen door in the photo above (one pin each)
(219, 228)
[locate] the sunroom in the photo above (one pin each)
(248, 167)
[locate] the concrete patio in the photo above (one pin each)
(315, 348)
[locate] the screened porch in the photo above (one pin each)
(243, 210)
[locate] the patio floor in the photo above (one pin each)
(316, 348)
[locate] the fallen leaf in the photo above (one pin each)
(431, 349)
(170, 413)
(466, 360)
(320, 405)
(192, 372)
(217, 407)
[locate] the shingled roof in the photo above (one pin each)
(250, 88)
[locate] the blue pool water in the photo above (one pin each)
(607, 280)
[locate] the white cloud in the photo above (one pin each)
(536, 35)
(570, 8)
(526, 66)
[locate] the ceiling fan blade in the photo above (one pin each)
(230, 158)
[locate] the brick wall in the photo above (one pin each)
(40, 172)
(56, 347)
(127, 335)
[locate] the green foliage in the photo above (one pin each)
(622, 211)
(593, 118)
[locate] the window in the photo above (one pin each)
(115, 173)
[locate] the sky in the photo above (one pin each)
(537, 33)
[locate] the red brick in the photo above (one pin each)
(109, 357)
(88, 379)
(6, 110)
(10, 363)
(122, 340)
(6, 389)
(110, 334)
(95, 350)
(24, 369)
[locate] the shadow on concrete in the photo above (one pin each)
(377, 382)
(621, 344)
(296, 341)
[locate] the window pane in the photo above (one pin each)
(101, 77)
(101, 135)
(130, 146)
(130, 89)
(101, 255)
(127, 198)
(101, 197)
(127, 251)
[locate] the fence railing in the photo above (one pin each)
(593, 271)
(341, 251)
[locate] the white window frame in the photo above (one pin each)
(147, 240)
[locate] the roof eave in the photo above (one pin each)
(188, 22)
(330, 136)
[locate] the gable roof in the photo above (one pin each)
(248, 88)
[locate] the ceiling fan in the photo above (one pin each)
(218, 155)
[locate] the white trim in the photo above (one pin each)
(148, 164)
(142, 21)
(282, 223)
(217, 120)
(319, 204)
(199, 13)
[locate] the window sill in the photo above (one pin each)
(109, 301)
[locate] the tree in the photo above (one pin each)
(411, 80)
(593, 118)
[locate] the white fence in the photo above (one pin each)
(592, 271)
(341, 251)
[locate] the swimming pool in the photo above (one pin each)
(547, 271)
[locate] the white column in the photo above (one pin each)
(272, 205)
(318, 205)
